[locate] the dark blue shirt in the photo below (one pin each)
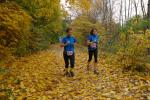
(93, 38)
(70, 40)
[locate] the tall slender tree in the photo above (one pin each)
(148, 17)
(143, 8)
(135, 7)
(125, 9)
(121, 15)
(129, 9)
(148, 11)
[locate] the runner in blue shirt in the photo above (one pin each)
(92, 42)
(68, 43)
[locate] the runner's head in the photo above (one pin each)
(93, 31)
(69, 31)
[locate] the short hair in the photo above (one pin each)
(68, 29)
(93, 30)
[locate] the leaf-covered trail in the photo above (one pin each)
(42, 78)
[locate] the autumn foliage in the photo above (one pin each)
(26, 27)
(31, 62)
(14, 28)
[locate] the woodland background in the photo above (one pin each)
(31, 26)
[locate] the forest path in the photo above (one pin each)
(41, 77)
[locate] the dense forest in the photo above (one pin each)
(29, 26)
(31, 29)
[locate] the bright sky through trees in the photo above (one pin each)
(116, 7)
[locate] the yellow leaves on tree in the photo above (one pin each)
(42, 9)
(46, 9)
(83, 5)
(86, 4)
(134, 48)
(46, 14)
(83, 25)
(14, 26)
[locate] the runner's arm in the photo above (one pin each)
(88, 42)
(63, 44)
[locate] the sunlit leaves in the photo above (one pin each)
(47, 9)
(15, 25)
(83, 5)
(133, 47)
(82, 26)
(40, 76)
(29, 25)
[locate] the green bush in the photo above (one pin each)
(137, 24)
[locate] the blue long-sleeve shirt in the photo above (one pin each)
(93, 38)
(71, 41)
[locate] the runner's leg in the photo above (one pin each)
(96, 62)
(89, 60)
(66, 59)
(72, 63)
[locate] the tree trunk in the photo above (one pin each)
(148, 12)
(129, 7)
(121, 15)
(136, 8)
(110, 16)
(148, 17)
(125, 8)
(143, 8)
